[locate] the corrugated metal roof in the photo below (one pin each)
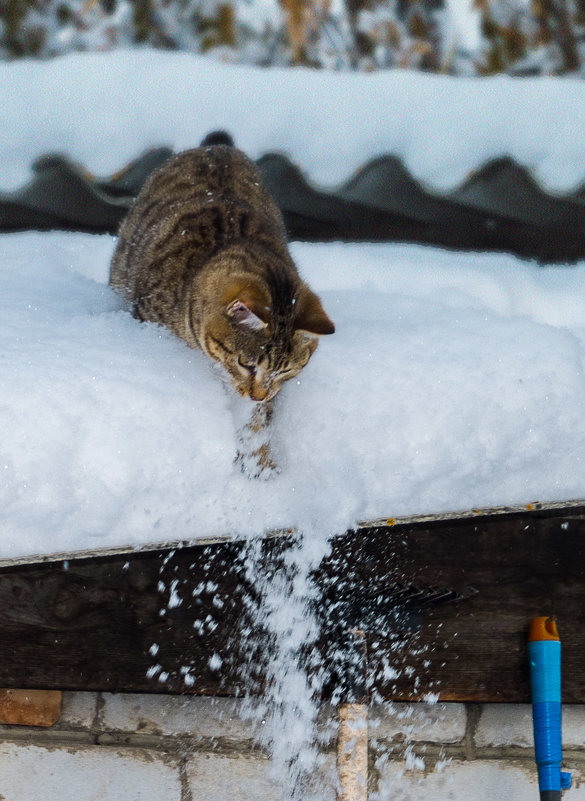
(500, 207)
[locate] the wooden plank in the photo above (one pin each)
(549, 508)
(182, 619)
(521, 565)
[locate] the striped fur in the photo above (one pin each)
(203, 251)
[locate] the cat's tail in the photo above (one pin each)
(218, 138)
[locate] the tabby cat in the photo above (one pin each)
(203, 251)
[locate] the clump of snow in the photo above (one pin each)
(452, 381)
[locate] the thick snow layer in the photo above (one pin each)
(104, 109)
(452, 381)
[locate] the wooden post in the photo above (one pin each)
(352, 741)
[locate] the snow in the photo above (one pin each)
(453, 380)
(104, 109)
(465, 20)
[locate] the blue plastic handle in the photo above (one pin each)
(545, 674)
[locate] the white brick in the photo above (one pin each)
(79, 710)
(511, 724)
(505, 724)
(573, 726)
(433, 723)
(31, 773)
(241, 778)
(462, 781)
(172, 715)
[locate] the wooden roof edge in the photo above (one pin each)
(535, 508)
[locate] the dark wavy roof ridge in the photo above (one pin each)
(500, 206)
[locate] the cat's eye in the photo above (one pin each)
(286, 368)
(249, 368)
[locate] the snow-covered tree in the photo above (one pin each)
(532, 36)
(516, 36)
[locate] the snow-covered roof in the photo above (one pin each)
(454, 380)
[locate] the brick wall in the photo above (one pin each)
(143, 747)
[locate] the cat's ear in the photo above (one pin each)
(310, 316)
(246, 304)
(244, 315)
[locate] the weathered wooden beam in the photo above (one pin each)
(445, 602)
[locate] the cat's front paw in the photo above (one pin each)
(258, 463)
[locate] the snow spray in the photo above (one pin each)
(288, 707)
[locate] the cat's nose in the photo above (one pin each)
(258, 394)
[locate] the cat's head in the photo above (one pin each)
(259, 346)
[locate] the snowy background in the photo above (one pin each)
(456, 37)
(453, 380)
